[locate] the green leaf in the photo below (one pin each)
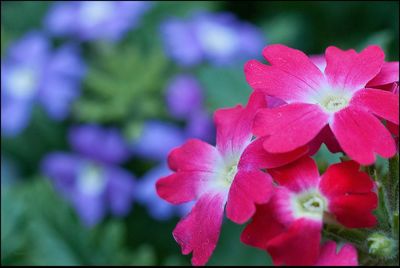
(230, 251)
(123, 83)
(39, 228)
(224, 86)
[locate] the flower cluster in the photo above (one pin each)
(216, 37)
(261, 166)
(90, 178)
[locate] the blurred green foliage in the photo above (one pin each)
(124, 87)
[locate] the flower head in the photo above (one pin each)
(289, 226)
(340, 98)
(32, 73)
(89, 177)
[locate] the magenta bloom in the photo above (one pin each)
(341, 100)
(330, 256)
(289, 226)
(227, 174)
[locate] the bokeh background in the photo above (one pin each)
(94, 96)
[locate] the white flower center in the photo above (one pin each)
(22, 82)
(230, 175)
(224, 176)
(217, 39)
(92, 13)
(91, 180)
(310, 204)
(334, 103)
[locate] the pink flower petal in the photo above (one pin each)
(199, 231)
(384, 104)
(349, 193)
(256, 157)
(283, 206)
(347, 255)
(298, 176)
(234, 125)
(361, 134)
(248, 189)
(194, 155)
(295, 63)
(182, 186)
(194, 163)
(275, 82)
(290, 126)
(389, 74)
(354, 211)
(345, 178)
(299, 245)
(262, 228)
(351, 70)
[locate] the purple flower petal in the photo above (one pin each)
(157, 139)
(102, 144)
(92, 20)
(184, 96)
(120, 190)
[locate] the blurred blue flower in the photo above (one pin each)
(33, 73)
(200, 125)
(93, 20)
(184, 96)
(90, 178)
(219, 38)
(156, 140)
(146, 194)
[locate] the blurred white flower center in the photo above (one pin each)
(92, 13)
(217, 39)
(91, 180)
(22, 82)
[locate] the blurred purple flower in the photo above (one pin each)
(89, 178)
(220, 38)
(157, 139)
(184, 96)
(146, 194)
(201, 126)
(33, 73)
(90, 20)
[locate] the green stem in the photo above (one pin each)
(393, 183)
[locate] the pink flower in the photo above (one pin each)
(228, 174)
(329, 256)
(394, 128)
(289, 226)
(340, 98)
